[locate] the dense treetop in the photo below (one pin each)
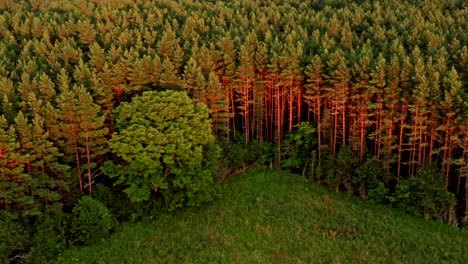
(385, 78)
(381, 84)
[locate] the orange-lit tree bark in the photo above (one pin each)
(314, 95)
(392, 93)
(245, 82)
(378, 84)
(419, 114)
(339, 77)
(218, 106)
(226, 74)
(361, 112)
(405, 84)
(292, 77)
(453, 106)
(273, 80)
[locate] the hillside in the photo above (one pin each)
(274, 217)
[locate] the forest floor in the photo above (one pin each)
(265, 216)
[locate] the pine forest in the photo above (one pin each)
(112, 108)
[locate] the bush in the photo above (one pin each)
(338, 171)
(377, 194)
(298, 147)
(237, 154)
(267, 154)
(368, 176)
(424, 193)
(122, 208)
(50, 234)
(13, 239)
(91, 222)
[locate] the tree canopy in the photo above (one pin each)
(163, 139)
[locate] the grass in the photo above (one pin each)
(268, 216)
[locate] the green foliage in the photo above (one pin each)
(91, 222)
(122, 208)
(424, 194)
(377, 194)
(50, 236)
(338, 171)
(236, 154)
(14, 192)
(267, 153)
(299, 146)
(164, 140)
(269, 216)
(13, 238)
(367, 176)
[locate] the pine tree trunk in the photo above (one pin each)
(77, 156)
(88, 158)
(400, 142)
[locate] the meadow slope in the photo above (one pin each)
(266, 216)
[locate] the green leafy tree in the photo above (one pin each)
(165, 145)
(299, 146)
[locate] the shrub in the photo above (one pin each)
(298, 147)
(368, 176)
(339, 170)
(424, 193)
(377, 194)
(91, 221)
(267, 154)
(13, 239)
(50, 234)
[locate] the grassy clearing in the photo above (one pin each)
(274, 217)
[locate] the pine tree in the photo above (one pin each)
(226, 73)
(291, 76)
(391, 98)
(245, 82)
(360, 111)
(171, 53)
(377, 84)
(219, 107)
(314, 95)
(41, 161)
(338, 91)
(86, 32)
(82, 131)
(14, 183)
(453, 105)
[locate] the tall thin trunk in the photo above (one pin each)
(319, 127)
(233, 109)
(278, 124)
(400, 141)
(5, 199)
(362, 138)
(291, 101)
(77, 156)
(88, 158)
(335, 129)
(299, 106)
